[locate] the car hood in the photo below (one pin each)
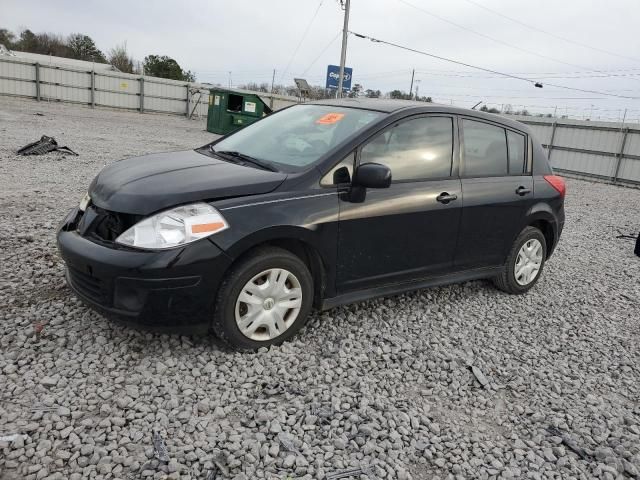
(147, 184)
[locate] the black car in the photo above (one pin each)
(317, 205)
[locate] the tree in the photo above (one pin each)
(484, 108)
(119, 58)
(7, 38)
(355, 91)
(27, 42)
(84, 48)
(43, 43)
(397, 94)
(372, 93)
(166, 67)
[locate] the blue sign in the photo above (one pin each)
(333, 76)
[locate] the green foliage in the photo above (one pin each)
(83, 47)
(166, 67)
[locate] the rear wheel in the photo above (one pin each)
(264, 300)
(524, 263)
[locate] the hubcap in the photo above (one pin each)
(528, 262)
(268, 304)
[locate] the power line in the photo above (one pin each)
(507, 44)
(304, 35)
(531, 27)
(516, 77)
(322, 52)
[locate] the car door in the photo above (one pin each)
(498, 191)
(409, 230)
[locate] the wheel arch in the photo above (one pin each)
(296, 240)
(542, 218)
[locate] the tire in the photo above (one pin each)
(507, 281)
(270, 279)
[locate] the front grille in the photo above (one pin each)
(89, 286)
(103, 226)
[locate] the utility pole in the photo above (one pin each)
(413, 72)
(273, 79)
(343, 53)
(417, 87)
(229, 79)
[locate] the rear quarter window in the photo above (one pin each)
(517, 148)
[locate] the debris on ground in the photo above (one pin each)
(212, 474)
(351, 472)
(287, 443)
(44, 408)
(44, 145)
(569, 442)
(220, 461)
(479, 376)
(159, 448)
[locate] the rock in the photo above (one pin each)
(49, 381)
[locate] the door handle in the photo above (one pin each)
(446, 197)
(522, 190)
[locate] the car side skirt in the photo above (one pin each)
(396, 288)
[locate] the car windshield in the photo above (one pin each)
(295, 138)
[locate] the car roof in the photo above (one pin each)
(391, 106)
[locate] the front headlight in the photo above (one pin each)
(175, 227)
(84, 203)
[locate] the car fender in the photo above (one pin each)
(319, 242)
(280, 232)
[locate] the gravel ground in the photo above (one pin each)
(386, 386)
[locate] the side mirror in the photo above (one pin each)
(372, 175)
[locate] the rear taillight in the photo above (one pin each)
(557, 182)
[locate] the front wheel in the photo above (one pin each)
(524, 263)
(264, 300)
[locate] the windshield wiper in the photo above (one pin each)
(246, 158)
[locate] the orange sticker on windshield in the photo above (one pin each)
(330, 118)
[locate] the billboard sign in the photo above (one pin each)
(333, 76)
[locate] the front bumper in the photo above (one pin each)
(169, 290)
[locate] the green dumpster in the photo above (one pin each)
(230, 110)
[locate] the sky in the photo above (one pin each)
(583, 44)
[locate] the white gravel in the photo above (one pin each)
(384, 385)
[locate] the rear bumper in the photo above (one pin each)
(171, 290)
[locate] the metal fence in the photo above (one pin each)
(55, 82)
(597, 150)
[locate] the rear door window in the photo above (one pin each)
(485, 149)
(517, 144)
(417, 149)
